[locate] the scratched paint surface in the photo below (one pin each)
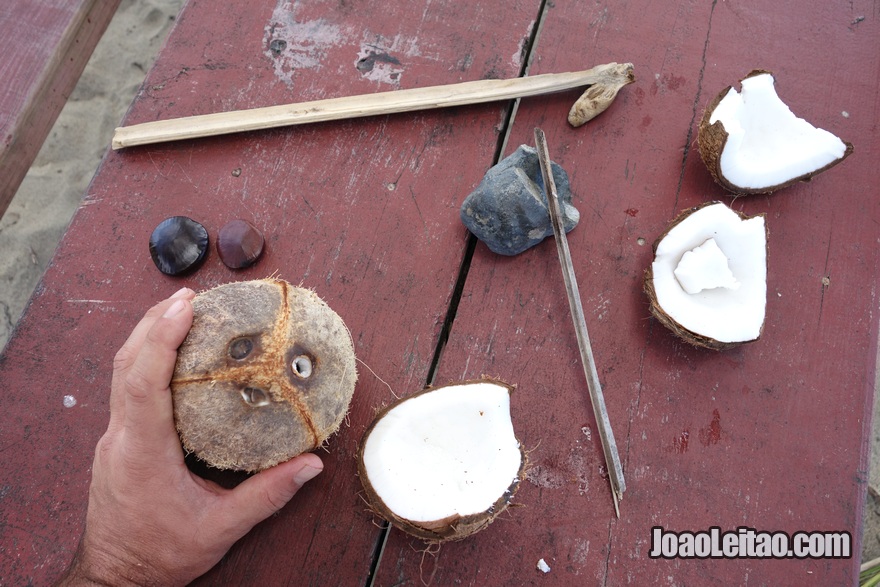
(363, 212)
(772, 435)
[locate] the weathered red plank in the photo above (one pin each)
(364, 212)
(771, 436)
(45, 46)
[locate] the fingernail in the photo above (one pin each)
(181, 292)
(306, 474)
(174, 309)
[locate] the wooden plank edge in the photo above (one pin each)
(56, 82)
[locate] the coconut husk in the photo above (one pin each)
(244, 341)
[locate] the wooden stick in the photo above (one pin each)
(473, 92)
(597, 398)
(869, 565)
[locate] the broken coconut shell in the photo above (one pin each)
(724, 307)
(766, 147)
(442, 463)
(266, 372)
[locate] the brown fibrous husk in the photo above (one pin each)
(711, 139)
(279, 324)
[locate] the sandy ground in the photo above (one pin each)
(52, 190)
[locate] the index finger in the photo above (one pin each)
(148, 420)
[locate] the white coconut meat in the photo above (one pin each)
(767, 145)
(710, 274)
(449, 452)
(705, 267)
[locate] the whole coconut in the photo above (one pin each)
(267, 372)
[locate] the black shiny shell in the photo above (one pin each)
(178, 245)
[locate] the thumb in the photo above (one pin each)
(265, 493)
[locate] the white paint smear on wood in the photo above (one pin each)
(292, 44)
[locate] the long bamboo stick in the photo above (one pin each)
(597, 398)
(473, 92)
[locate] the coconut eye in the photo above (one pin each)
(255, 397)
(302, 366)
(240, 348)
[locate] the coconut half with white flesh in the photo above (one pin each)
(708, 281)
(752, 143)
(443, 463)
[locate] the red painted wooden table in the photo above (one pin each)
(771, 436)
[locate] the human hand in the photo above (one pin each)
(150, 521)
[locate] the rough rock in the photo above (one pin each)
(508, 210)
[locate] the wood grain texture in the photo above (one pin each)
(359, 106)
(363, 212)
(45, 46)
(771, 436)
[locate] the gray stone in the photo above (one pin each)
(508, 210)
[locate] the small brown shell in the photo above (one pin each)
(239, 244)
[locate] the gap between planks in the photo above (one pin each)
(464, 267)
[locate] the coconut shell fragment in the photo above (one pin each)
(752, 143)
(267, 372)
(441, 464)
(708, 280)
